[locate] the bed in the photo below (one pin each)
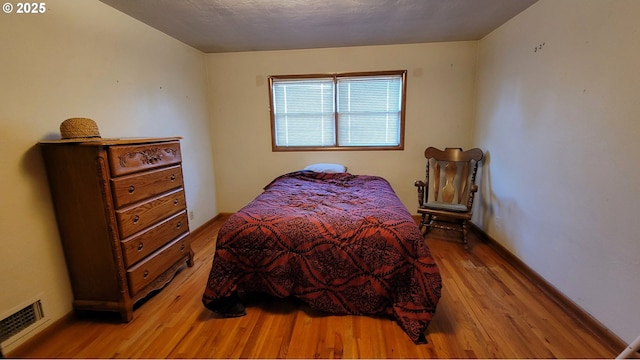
(341, 243)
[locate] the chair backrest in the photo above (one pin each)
(451, 175)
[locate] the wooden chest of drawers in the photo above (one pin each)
(121, 212)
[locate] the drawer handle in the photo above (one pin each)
(136, 219)
(175, 201)
(182, 247)
(178, 225)
(146, 274)
(132, 189)
(173, 177)
(140, 246)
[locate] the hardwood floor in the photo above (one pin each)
(488, 310)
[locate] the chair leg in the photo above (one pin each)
(423, 227)
(428, 223)
(464, 233)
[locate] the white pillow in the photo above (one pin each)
(327, 168)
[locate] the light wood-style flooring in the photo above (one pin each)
(488, 310)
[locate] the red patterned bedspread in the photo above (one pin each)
(342, 243)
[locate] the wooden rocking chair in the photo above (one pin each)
(452, 174)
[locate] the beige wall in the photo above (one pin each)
(558, 113)
(440, 99)
(83, 58)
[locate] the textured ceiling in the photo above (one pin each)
(215, 26)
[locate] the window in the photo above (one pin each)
(352, 111)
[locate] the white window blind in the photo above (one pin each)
(342, 111)
(304, 112)
(369, 111)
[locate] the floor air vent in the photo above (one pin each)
(20, 320)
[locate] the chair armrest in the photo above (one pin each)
(420, 185)
(472, 190)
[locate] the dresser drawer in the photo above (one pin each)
(133, 158)
(142, 215)
(132, 188)
(149, 269)
(140, 245)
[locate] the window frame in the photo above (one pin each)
(335, 76)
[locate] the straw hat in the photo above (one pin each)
(79, 129)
